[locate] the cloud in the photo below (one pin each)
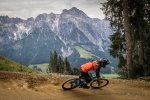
(31, 8)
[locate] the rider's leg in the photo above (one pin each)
(87, 78)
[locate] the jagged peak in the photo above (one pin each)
(52, 13)
(7, 19)
(30, 19)
(4, 16)
(41, 16)
(74, 11)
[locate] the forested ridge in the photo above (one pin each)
(57, 64)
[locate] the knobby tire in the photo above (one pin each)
(96, 81)
(69, 82)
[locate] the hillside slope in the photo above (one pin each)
(9, 65)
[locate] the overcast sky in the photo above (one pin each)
(31, 8)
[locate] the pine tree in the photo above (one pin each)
(130, 18)
(67, 68)
(53, 66)
(57, 65)
(61, 65)
(50, 69)
(76, 71)
(55, 62)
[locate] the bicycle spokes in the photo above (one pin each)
(73, 84)
(99, 83)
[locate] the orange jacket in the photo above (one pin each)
(89, 66)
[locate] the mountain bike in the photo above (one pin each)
(78, 82)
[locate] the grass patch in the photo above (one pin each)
(83, 53)
(9, 65)
(110, 76)
(43, 67)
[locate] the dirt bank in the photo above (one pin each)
(18, 89)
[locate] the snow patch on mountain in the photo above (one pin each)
(56, 24)
(21, 30)
(66, 52)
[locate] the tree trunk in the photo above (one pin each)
(128, 38)
(141, 49)
(141, 56)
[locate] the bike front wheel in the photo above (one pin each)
(98, 83)
(71, 84)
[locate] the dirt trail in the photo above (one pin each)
(116, 90)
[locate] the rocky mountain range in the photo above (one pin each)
(72, 34)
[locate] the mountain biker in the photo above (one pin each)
(95, 65)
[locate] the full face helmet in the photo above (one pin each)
(103, 62)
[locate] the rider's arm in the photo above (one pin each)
(97, 73)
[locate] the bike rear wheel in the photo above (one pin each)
(98, 83)
(71, 84)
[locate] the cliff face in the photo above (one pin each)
(30, 41)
